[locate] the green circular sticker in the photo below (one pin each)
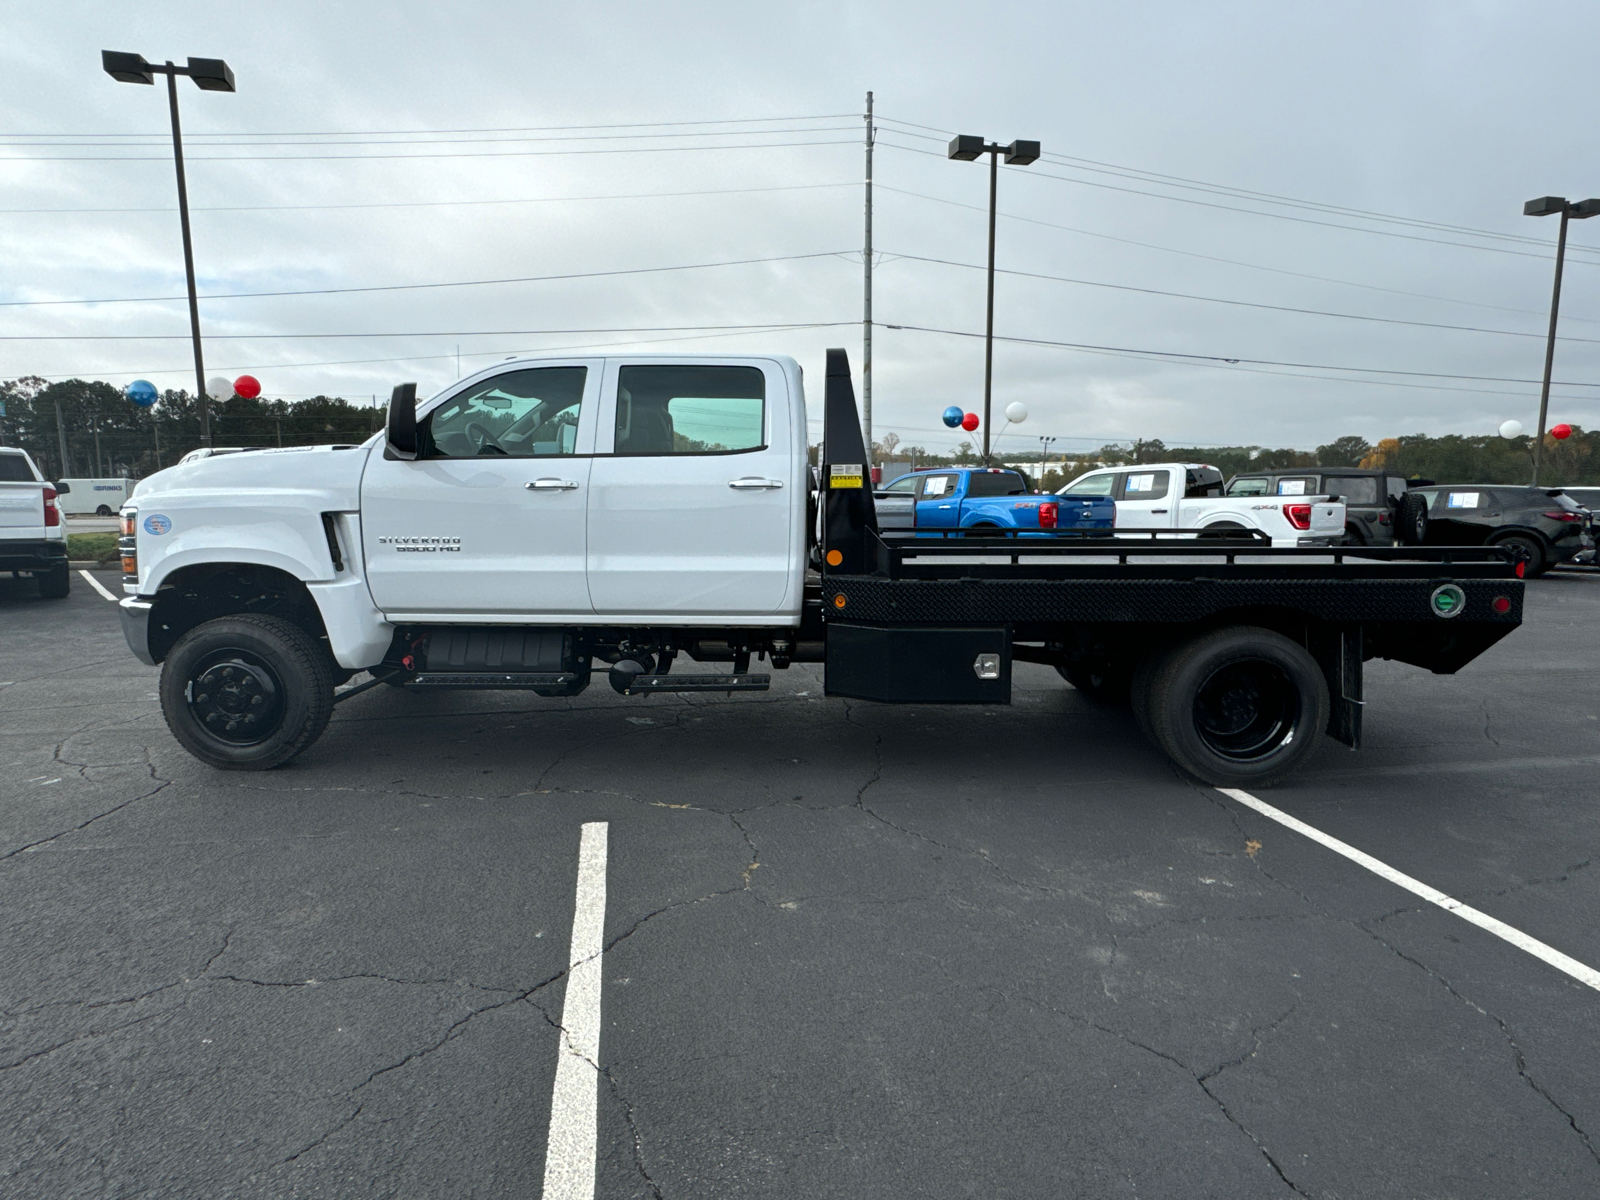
(1447, 600)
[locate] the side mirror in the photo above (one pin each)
(62, 489)
(402, 430)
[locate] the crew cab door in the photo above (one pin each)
(696, 502)
(939, 501)
(489, 520)
(1145, 499)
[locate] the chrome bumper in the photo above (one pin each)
(135, 614)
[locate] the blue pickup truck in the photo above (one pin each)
(984, 497)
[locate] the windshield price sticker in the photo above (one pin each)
(845, 475)
(937, 485)
(1462, 500)
(1291, 487)
(1141, 483)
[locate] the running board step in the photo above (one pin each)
(698, 683)
(493, 679)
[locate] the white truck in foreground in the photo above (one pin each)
(32, 540)
(1188, 496)
(548, 519)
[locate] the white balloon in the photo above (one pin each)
(1510, 429)
(1016, 412)
(219, 388)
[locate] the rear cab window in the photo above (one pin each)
(996, 483)
(15, 469)
(1352, 489)
(690, 410)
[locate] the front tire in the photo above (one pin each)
(1240, 707)
(247, 693)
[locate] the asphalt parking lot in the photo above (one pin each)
(848, 949)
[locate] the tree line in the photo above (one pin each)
(103, 434)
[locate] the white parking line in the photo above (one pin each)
(97, 586)
(1548, 954)
(569, 1163)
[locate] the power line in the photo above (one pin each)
(795, 187)
(407, 287)
(1234, 262)
(411, 358)
(259, 337)
(1177, 355)
(1222, 189)
(188, 158)
(492, 129)
(200, 140)
(1034, 173)
(1313, 312)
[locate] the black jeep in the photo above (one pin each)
(1376, 512)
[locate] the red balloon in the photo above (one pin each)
(247, 386)
(1561, 432)
(969, 422)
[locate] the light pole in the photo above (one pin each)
(1547, 206)
(965, 148)
(209, 75)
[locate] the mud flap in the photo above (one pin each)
(1340, 653)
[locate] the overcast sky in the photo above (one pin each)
(1449, 113)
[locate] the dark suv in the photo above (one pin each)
(1372, 498)
(1541, 526)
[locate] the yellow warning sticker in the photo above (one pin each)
(844, 475)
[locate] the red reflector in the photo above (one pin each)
(52, 514)
(1049, 514)
(1299, 515)
(1520, 565)
(1501, 604)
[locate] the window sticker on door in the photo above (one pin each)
(1291, 487)
(1139, 483)
(1462, 500)
(844, 475)
(936, 486)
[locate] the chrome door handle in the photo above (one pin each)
(750, 483)
(552, 485)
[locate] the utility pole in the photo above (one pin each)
(1547, 206)
(94, 424)
(61, 433)
(866, 310)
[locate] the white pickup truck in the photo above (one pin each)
(1188, 496)
(32, 540)
(548, 519)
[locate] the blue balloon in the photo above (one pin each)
(142, 392)
(953, 415)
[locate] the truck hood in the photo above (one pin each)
(327, 476)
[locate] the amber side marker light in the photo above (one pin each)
(839, 600)
(835, 558)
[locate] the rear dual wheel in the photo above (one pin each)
(1238, 707)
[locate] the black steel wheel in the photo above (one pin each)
(1238, 707)
(247, 692)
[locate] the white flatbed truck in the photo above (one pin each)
(547, 519)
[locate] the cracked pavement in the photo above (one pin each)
(850, 949)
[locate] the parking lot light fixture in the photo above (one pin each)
(209, 75)
(969, 148)
(1549, 206)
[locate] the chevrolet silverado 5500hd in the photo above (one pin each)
(548, 518)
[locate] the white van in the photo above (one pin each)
(94, 497)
